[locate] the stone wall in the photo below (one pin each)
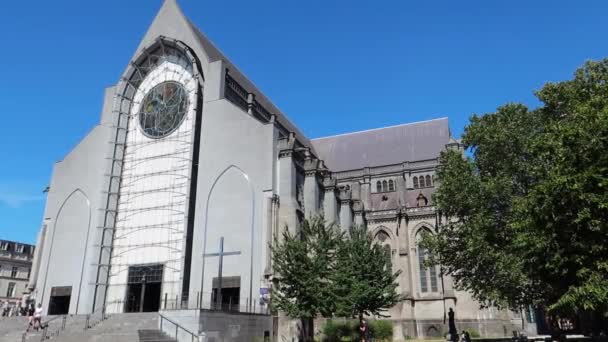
(218, 326)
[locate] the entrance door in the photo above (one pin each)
(59, 303)
(231, 291)
(144, 288)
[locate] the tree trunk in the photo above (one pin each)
(307, 331)
(361, 334)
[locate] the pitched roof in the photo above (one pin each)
(384, 146)
(214, 54)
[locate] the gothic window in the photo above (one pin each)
(384, 240)
(378, 186)
(423, 275)
(382, 236)
(428, 275)
(428, 181)
(422, 181)
(415, 182)
(384, 186)
(391, 185)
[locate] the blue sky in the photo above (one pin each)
(333, 66)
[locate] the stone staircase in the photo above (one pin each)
(154, 336)
(117, 328)
(11, 328)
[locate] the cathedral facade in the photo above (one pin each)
(188, 153)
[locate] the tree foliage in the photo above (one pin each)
(528, 210)
(303, 263)
(364, 282)
(321, 272)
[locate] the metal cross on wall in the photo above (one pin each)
(221, 255)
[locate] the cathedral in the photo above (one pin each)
(190, 164)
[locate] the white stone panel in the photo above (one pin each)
(153, 204)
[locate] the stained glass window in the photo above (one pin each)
(163, 109)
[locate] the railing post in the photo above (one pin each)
(165, 300)
(161, 322)
(176, 327)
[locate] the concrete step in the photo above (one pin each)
(154, 335)
(116, 328)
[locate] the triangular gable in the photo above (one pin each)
(171, 22)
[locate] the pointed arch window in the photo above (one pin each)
(415, 182)
(428, 275)
(391, 185)
(421, 181)
(385, 241)
(378, 186)
(384, 186)
(429, 181)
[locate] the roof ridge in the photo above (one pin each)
(380, 128)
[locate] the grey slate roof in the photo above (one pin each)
(384, 146)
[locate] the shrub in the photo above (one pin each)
(339, 331)
(381, 330)
(349, 330)
(331, 331)
(473, 333)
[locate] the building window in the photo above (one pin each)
(415, 182)
(10, 291)
(421, 258)
(384, 186)
(421, 180)
(378, 186)
(384, 240)
(391, 185)
(14, 272)
(20, 248)
(428, 181)
(4, 246)
(428, 275)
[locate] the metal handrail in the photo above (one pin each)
(194, 337)
(45, 327)
(88, 324)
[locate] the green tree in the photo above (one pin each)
(364, 283)
(303, 264)
(528, 209)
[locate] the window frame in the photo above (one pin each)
(10, 289)
(428, 277)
